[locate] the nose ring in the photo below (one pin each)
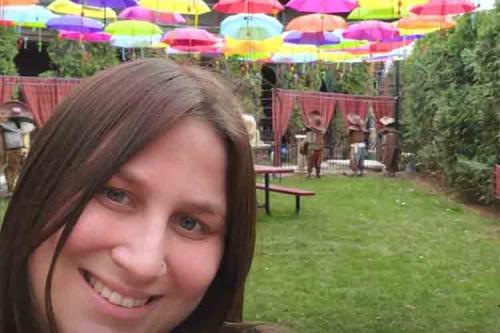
(163, 269)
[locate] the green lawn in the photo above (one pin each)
(375, 255)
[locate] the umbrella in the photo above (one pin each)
(190, 7)
(382, 9)
(444, 7)
(75, 23)
(337, 56)
(248, 6)
(316, 23)
(67, 7)
(92, 37)
(294, 53)
(250, 27)
(383, 13)
(311, 38)
(344, 44)
(425, 22)
(32, 16)
(17, 2)
(144, 14)
(7, 23)
(189, 37)
(246, 47)
(107, 3)
(322, 6)
(371, 30)
(383, 47)
(135, 41)
(389, 3)
(133, 28)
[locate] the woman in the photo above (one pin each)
(135, 210)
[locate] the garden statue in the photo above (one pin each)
(390, 145)
(16, 124)
(357, 135)
(313, 144)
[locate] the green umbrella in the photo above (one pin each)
(133, 28)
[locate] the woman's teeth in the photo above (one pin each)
(114, 297)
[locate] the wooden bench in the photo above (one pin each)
(287, 190)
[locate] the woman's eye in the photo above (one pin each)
(115, 195)
(189, 223)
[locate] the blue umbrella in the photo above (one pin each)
(75, 23)
(311, 38)
(107, 3)
(250, 27)
(134, 41)
(294, 58)
(32, 16)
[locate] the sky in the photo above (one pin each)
(485, 4)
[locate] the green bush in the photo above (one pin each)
(74, 59)
(451, 104)
(8, 50)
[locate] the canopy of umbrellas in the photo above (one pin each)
(251, 31)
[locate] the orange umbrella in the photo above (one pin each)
(316, 23)
(17, 2)
(425, 22)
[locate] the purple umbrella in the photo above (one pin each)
(374, 31)
(107, 3)
(312, 38)
(143, 14)
(75, 23)
(323, 6)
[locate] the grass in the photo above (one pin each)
(374, 255)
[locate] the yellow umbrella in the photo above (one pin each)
(70, 8)
(389, 3)
(189, 7)
(248, 47)
(421, 31)
(337, 56)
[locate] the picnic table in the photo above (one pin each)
(267, 171)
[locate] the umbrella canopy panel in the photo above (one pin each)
(248, 6)
(250, 27)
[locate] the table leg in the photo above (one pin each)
(266, 194)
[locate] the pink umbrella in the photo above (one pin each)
(144, 14)
(95, 37)
(444, 7)
(371, 30)
(323, 6)
(189, 37)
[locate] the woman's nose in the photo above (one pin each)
(143, 257)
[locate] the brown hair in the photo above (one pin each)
(120, 111)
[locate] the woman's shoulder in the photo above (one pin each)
(252, 327)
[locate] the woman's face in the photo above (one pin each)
(146, 248)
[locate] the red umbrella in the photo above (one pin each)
(444, 7)
(189, 37)
(248, 6)
(383, 47)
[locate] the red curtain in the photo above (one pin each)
(313, 101)
(353, 104)
(282, 110)
(44, 94)
(6, 88)
(382, 108)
